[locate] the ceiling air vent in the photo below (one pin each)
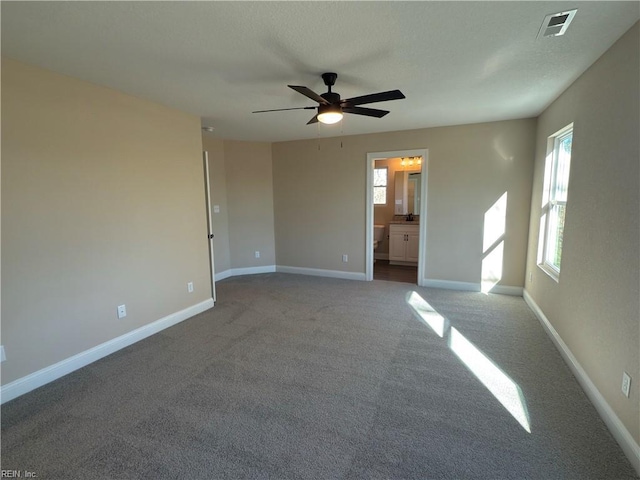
(556, 24)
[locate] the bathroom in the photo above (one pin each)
(397, 190)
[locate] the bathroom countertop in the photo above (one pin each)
(404, 222)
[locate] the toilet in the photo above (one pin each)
(378, 236)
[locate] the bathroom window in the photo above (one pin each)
(380, 186)
(554, 201)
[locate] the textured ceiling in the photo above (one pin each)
(456, 62)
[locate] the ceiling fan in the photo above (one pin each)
(331, 107)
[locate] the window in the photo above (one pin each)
(380, 186)
(554, 201)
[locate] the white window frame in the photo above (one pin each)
(550, 201)
(386, 187)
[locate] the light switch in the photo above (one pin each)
(216, 209)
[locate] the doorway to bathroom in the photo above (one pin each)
(396, 221)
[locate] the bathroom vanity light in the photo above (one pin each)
(403, 161)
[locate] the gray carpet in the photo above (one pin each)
(292, 376)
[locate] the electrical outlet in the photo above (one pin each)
(122, 311)
(216, 209)
(190, 287)
(626, 384)
(3, 357)
(345, 258)
(257, 254)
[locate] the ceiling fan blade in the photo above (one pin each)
(369, 112)
(307, 92)
(283, 109)
(374, 97)
(313, 120)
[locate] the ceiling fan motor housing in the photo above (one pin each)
(331, 97)
(333, 108)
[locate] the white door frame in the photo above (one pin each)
(207, 193)
(370, 165)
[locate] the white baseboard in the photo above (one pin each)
(450, 285)
(253, 270)
(223, 275)
(469, 286)
(234, 272)
(319, 272)
(53, 372)
(629, 446)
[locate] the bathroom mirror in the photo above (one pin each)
(407, 192)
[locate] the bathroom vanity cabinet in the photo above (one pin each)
(403, 244)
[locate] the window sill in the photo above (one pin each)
(550, 272)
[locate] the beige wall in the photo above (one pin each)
(319, 204)
(319, 197)
(218, 188)
(102, 204)
(241, 180)
(249, 178)
(595, 305)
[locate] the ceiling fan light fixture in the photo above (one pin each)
(331, 107)
(329, 114)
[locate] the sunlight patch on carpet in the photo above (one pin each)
(506, 391)
(501, 386)
(427, 313)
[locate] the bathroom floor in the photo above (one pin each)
(394, 273)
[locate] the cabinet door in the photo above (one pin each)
(397, 246)
(413, 247)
